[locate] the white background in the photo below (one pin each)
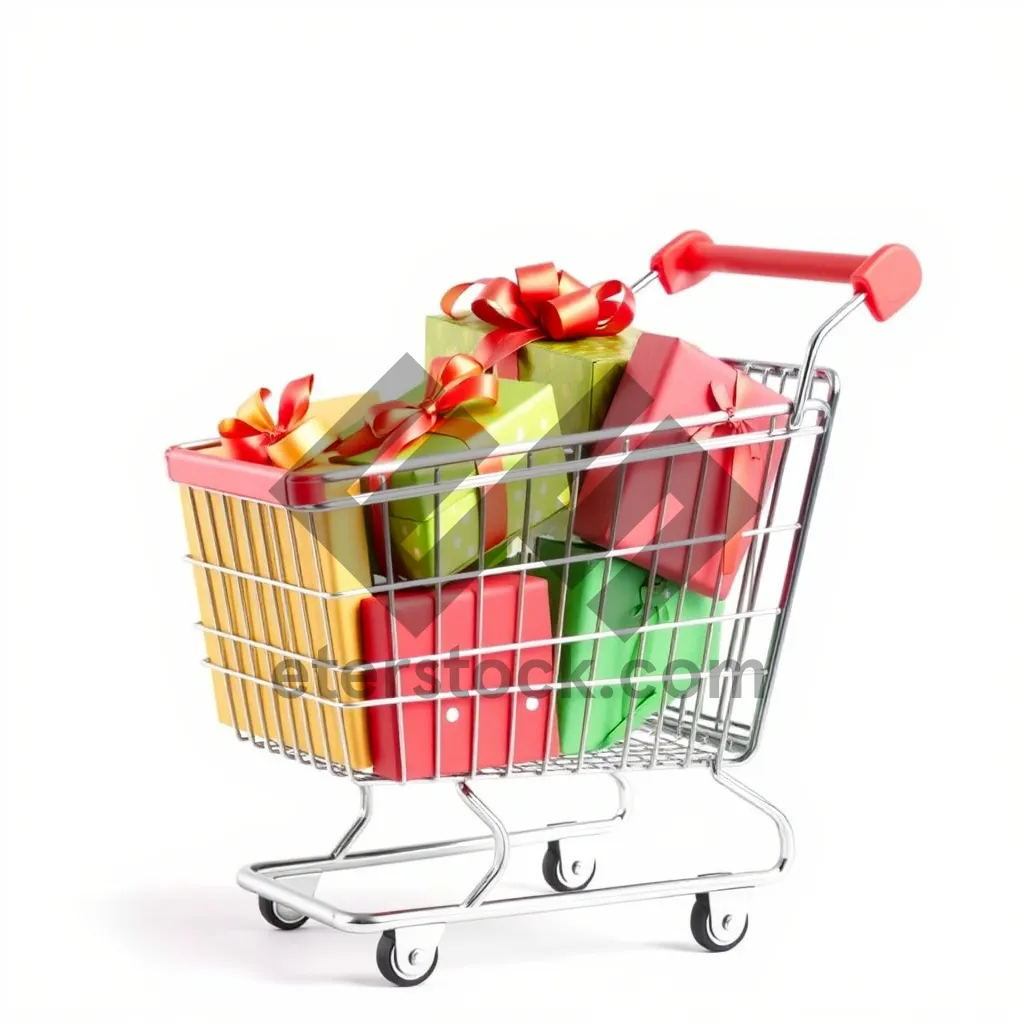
(201, 198)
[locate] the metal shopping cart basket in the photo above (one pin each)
(275, 591)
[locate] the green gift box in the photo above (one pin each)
(616, 657)
(583, 374)
(524, 411)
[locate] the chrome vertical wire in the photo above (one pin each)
(702, 682)
(517, 637)
(207, 576)
(652, 579)
(481, 498)
(741, 626)
(559, 649)
(262, 611)
(243, 684)
(389, 574)
(340, 677)
(308, 632)
(278, 596)
(612, 540)
(243, 608)
(438, 611)
(702, 477)
(288, 639)
(680, 608)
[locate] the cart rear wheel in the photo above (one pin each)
(566, 877)
(716, 936)
(281, 916)
(419, 966)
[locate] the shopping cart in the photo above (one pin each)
(269, 594)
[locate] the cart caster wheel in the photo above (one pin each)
(566, 877)
(281, 916)
(716, 936)
(417, 967)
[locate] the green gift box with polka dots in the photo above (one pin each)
(525, 411)
(583, 374)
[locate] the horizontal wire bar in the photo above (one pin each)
(511, 476)
(671, 755)
(526, 690)
(497, 570)
(475, 481)
(555, 441)
(473, 652)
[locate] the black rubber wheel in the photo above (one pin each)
(387, 964)
(280, 917)
(700, 926)
(555, 875)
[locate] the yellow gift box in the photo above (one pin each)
(279, 593)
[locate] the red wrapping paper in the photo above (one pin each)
(414, 621)
(669, 378)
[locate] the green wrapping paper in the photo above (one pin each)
(625, 598)
(525, 411)
(583, 374)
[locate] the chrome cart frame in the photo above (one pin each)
(410, 939)
(712, 723)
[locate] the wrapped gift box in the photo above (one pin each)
(670, 379)
(524, 411)
(417, 622)
(625, 597)
(583, 374)
(236, 518)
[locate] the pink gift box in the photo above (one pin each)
(667, 378)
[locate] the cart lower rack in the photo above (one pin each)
(628, 673)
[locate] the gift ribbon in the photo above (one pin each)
(543, 303)
(744, 474)
(455, 383)
(253, 435)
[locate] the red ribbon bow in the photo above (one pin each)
(454, 383)
(542, 303)
(295, 437)
(392, 426)
(744, 475)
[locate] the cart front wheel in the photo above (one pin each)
(412, 970)
(281, 916)
(564, 875)
(716, 935)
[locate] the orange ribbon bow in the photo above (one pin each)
(744, 475)
(392, 426)
(542, 303)
(295, 437)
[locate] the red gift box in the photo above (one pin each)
(415, 612)
(666, 378)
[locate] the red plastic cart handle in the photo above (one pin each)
(888, 280)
